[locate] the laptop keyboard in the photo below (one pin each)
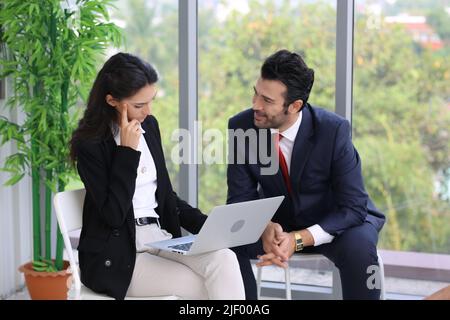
(182, 247)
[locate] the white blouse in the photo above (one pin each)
(144, 198)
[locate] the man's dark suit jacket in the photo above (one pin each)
(325, 175)
(107, 249)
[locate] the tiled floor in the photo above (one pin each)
(21, 295)
(311, 277)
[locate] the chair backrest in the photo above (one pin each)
(69, 204)
(69, 212)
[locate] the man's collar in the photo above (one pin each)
(291, 132)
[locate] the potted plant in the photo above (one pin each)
(51, 49)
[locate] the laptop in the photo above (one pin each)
(227, 226)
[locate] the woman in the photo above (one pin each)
(130, 201)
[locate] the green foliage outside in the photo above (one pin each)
(401, 121)
(230, 57)
(141, 29)
(401, 128)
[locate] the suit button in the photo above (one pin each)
(108, 263)
(116, 232)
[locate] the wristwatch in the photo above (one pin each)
(298, 242)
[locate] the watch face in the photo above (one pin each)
(298, 242)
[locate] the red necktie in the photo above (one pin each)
(283, 164)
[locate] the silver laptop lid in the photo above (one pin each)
(235, 224)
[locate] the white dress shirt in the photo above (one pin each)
(144, 198)
(319, 235)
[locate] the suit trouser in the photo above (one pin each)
(353, 252)
(213, 275)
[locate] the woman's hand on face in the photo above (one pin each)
(130, 131)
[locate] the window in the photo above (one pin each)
(234, 39)
(150, 30)
(401, 122)
(401, 126)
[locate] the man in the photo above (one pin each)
(326, 209)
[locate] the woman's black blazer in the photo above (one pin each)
(107, 250)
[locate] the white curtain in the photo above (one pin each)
(15, 220)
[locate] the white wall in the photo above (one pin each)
(15, 220)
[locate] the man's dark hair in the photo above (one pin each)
(289, 68)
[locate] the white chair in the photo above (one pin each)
(69, 209)
(336, 289)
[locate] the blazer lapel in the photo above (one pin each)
(302, 146)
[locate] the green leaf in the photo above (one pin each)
(51, 268)
(39, 264)
(39, 269)
(14, 179)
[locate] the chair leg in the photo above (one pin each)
(287, 276)
(336, 285)
(258, 281)
(287, 279)
(382, 284)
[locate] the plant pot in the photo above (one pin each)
(47, 285)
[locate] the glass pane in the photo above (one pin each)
(234, 39)
(150, 29)
(401, 123)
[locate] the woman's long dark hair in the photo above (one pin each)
(121, 77)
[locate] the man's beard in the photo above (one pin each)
(275, 122)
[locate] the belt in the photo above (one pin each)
(145, 220)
